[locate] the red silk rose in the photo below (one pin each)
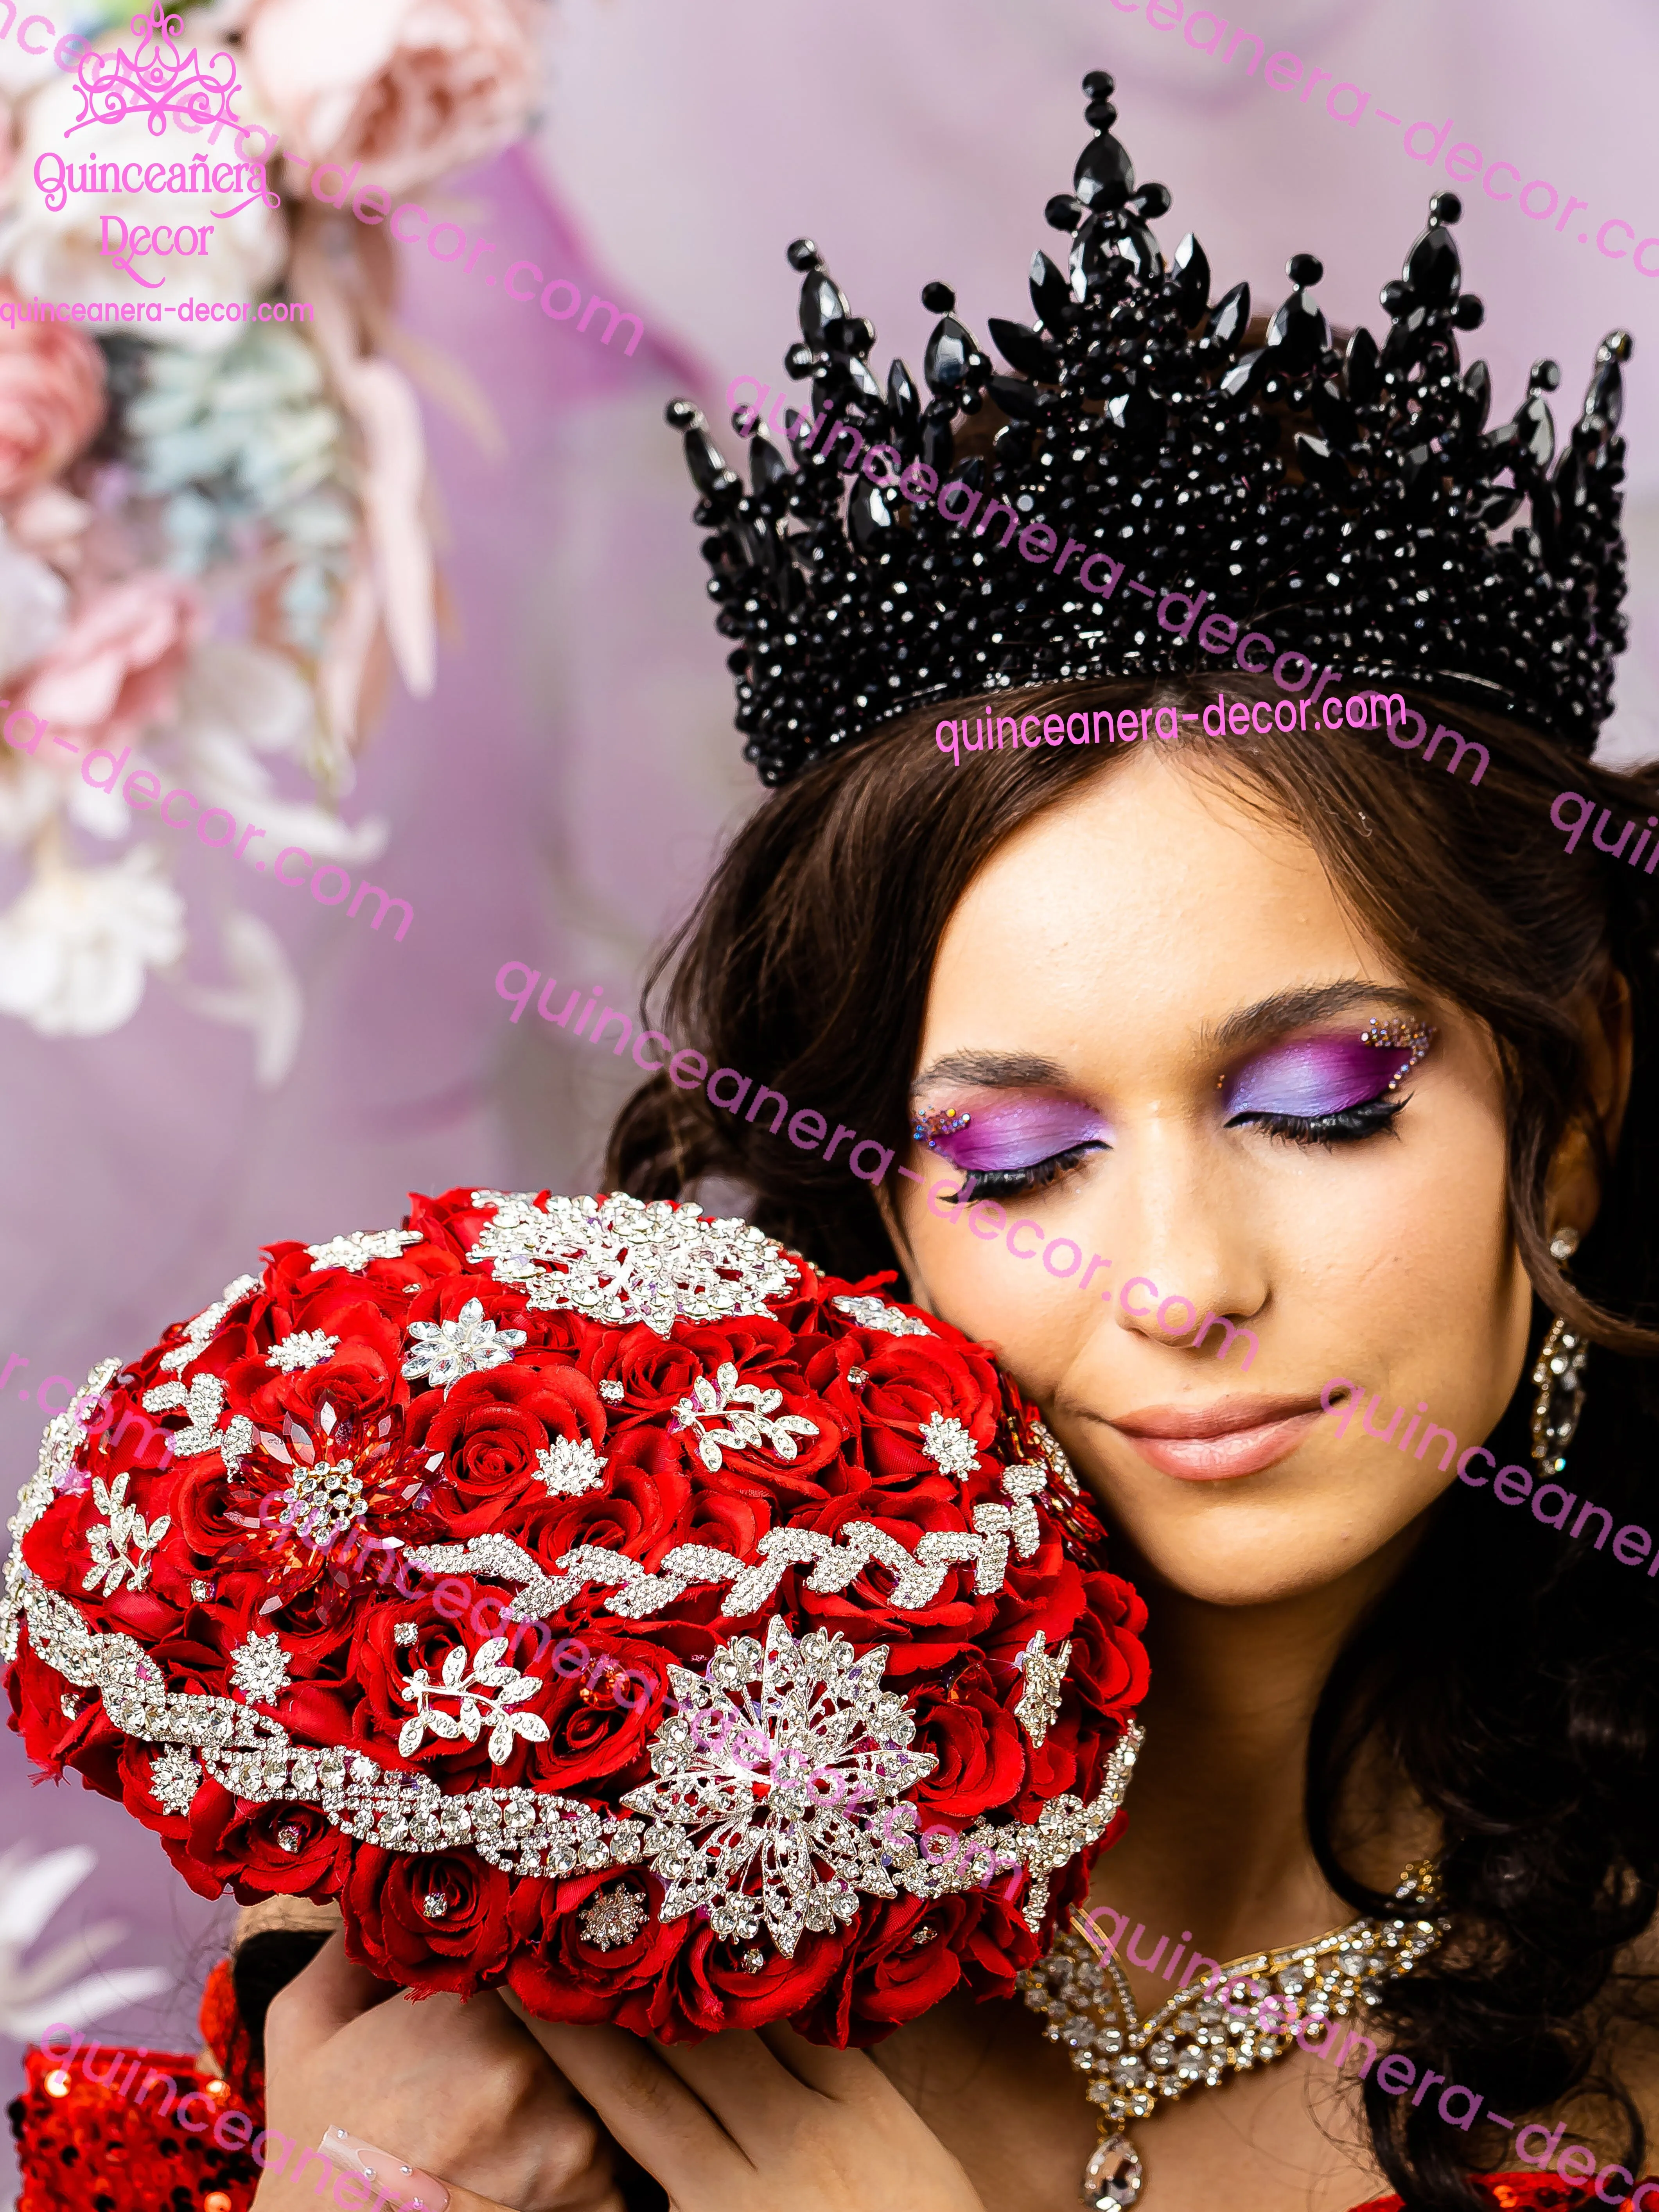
(874, 1719)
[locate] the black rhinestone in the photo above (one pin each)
(1099, 84)
(938, 299)
(1445, 207)
(681, 415)
(803, 255)
(1304, 268)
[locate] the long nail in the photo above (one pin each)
(405, 2186)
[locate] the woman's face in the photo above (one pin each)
(1150, 1005)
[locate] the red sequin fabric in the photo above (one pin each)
(84, 2147)
(1520, 2192)
(87, 2145)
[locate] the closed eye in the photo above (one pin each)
(1350, 1125)
(1018, 1182)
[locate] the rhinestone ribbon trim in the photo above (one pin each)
(523, 1832)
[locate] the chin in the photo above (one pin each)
(1239, 1544)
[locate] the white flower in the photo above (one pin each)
(446, 1350)
(74, 948)
(258, 1667)
(355, 1250)
(175, 1777)
(750, 1428)
(1045, 1681)
(237, 701)
(614, 1916)
(623, 1260)
(786, 1771)
(950, 1448)
(571, 1465)
(876, 1313)
(112, 1562)
(305, 1347)
(489, 1672)
(33, 602)
(57, 256)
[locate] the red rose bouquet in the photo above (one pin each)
(877, 1682)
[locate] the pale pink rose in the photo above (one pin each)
(114, 672)
(408, 89)
(51, 397)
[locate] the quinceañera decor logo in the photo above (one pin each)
(155, 80)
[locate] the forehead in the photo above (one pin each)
(1138, 912)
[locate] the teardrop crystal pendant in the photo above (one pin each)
(1113, 2175)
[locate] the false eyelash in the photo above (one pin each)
(1018, 1182)
(1350, 1126)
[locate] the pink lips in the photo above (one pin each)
(1213, 1443)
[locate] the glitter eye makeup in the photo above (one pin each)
(1010, 1133)
(1318, 1076)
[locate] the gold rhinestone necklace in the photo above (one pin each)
(1191, 2040)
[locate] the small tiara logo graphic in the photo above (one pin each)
(155, 81)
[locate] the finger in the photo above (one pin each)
(647, 2108)
(311, 2175)
(748, 2089)
(326, 1994)
(844, 2077)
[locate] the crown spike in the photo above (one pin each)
(1323, 498)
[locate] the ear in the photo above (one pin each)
(1573, 1190)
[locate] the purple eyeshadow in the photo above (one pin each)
(1019, 1132)
(1317, 1075)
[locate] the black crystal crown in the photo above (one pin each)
(1352, 502)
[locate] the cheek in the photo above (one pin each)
(1411, 1284)
(1038, 1319)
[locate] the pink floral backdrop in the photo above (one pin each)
(243, 1062)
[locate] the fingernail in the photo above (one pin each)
(406, 2186)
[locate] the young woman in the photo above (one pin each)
(1344, 1054)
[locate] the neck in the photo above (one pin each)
(1216, 1840)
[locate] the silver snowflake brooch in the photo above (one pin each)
(445, 1350)
(614, 1917)
(303, 1348)
(1045, 1678)
(624, 1260)
(489, 1693)
(570, 1466)
(750, 1428)
(258, 1667)
(950, 1447)
(107, 1540)
(779, 1786)
(354, 1251)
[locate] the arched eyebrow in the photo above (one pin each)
(1289, 1010)
(1268, 1018)
(994, 1071)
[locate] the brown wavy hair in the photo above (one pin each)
(807, 964)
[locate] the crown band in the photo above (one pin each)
(1352, 496)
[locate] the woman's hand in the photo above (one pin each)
(456, 2089)
(760, 2123)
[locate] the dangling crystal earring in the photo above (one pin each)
(1559, 1379)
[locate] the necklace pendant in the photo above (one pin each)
(1113, 2175)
